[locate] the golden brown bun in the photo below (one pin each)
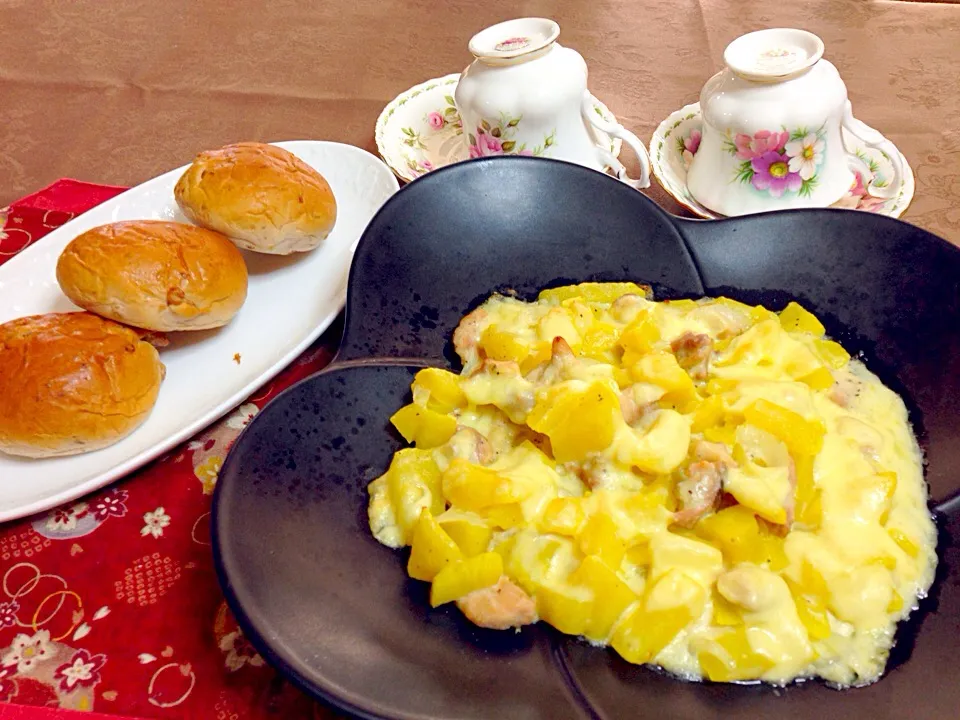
(264, 198)
(72, 383)
(155, 275)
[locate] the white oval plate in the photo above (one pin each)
(669, 159)
(412, 146)
(291, 300)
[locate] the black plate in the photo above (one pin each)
(333, 609)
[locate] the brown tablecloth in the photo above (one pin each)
(117, 91)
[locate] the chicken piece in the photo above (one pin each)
(693, 351)
(632, 411)
(470, 444)
(512, 393)
(560, 366)
(713, 452)
(466, 339)
(502, 606)
(626, 307)
(698, 493)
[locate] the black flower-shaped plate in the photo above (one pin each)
(335, 611)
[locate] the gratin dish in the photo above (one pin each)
(334, 610)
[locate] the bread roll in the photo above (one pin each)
(264, 198)
(155, 275)
(72, 383)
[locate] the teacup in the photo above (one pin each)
(772, 130)
(524, 94)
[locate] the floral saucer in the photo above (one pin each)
(677, 138)
(420, 130)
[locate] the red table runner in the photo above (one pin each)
(111, 602)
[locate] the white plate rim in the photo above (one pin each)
(218, 411)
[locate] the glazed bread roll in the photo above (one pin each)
(71, 383)
(261, 196)
(155, 275)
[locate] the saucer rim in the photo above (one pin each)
(704, 213)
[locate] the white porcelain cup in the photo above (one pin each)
(526, 95)
(772, 130)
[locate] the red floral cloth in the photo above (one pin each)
(111, 602)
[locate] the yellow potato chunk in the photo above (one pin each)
(440, 390)
(562, 515)
(567, 608)
(611, 596)
(700, 561)
(812, 611)
(503, 345)
(794, 318)
(464, 577)
(730, 657)
(413, 483)
(599, 341)
(765, 490)
(469, 531)
(473, 487)
(599, 537)
(662, 369)
(558, 323)
(668, 607)
(808, 495)
(578, 418)
(639, 338)
(431, 550)
(592, 292)
(733, 530)
(831, 353)
(424, 427)
(819, 379)
(801, 436)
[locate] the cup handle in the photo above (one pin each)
(618, 131)
(871, 138)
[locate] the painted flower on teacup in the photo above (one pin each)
(778, 161)
(435, 120)
(497, 138)
(689, 145)
(771, 172)
(763, 141)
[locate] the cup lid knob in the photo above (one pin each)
(773, 55)
(513, 38)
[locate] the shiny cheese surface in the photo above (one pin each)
(706, 486)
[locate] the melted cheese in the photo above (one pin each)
(766, 519)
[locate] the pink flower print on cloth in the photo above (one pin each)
(8, 613)
(82, 670)
(28, 651)
(763, 141)
(771, 172)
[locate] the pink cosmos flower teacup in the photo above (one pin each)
(772, 130)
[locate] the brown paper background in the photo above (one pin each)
(117, 91)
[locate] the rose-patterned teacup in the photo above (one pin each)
(526, 95)
(772, 123)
